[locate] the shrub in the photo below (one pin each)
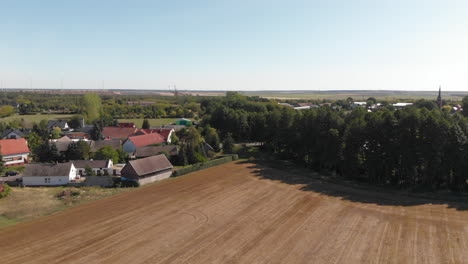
(5, 190)
(205, 165)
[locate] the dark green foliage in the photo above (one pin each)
(75, 122)
(89, 171)
(211, 137)
(106, 153)
(47, 153)
(200, 166)
(6, 190)
(146, 124)
(228, 144)
(415, 147)
(77, 151)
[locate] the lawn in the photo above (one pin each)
(153, 122)
(29, 203)
(30, 119)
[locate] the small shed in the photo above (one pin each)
(183, 122)
(147, 170)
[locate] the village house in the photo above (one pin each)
(140, 141)
(97, 144)
(147, 170)
(15, 133)
(119, 132)
(99, 167)
(49, 174)
(15, 152)
(62, 124)
(147, 151)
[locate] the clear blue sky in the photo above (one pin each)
(235, 45)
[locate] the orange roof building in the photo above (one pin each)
(15, 152)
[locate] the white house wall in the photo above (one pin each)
(40, 180)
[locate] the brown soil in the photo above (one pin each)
(243, 213)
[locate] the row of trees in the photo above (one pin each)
(412, 147)
(80, 150)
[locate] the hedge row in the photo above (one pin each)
(208, 164)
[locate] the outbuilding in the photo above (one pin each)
(147, 170)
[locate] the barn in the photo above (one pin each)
(147, 170)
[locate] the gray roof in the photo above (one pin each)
(58, 123)
(155, 150)
(19, 132)
(97, 144)
(46, 169)
(149, 165)
(95, 164)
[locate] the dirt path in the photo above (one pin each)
(233, 214)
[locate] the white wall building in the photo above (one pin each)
(49, 174)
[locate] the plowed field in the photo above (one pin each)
(243, 213)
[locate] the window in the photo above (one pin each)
(46, 180)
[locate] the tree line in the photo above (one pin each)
(410, 147)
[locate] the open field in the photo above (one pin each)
(30, 203)
(245, 213)
(30, 119)
(153, 122)
(359, 95)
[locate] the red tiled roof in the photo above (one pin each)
(13, 146)
(164, 132)
(126, 124)
(118, 132)
(145, 140)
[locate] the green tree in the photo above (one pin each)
(47, 152)
(89, 171)
(91, 107)
(6, 110)
(465, 105)
(75, 122)
(77, 151)
(228, 144)
(146, 124)
(211, 137)
(107, 152)
(56, 133)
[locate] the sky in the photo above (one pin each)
(235, 45)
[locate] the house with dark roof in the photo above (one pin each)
(100, 167)
(62, 124)
(15, 152)
(15, 133)
(147, 170)
(147, 151)
(49, 174)
(132, 143)
(97, 144)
